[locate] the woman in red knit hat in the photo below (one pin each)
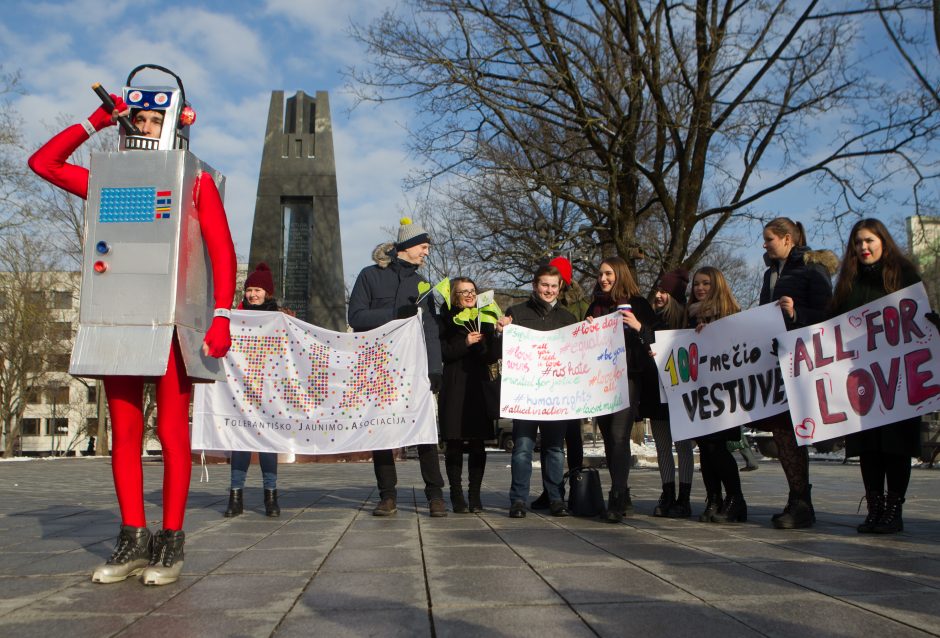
(259, 295)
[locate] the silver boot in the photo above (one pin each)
(129, 558)
(166, 562)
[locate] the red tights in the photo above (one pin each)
(125, 401)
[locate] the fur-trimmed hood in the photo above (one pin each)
(825, 258)
(383, 254)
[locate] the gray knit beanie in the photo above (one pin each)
(410, 234)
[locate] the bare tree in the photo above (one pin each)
(16, 183)
(693, 112)
(28, 342)
(61, 214)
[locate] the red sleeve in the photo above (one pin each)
(49, 162)
(218, 240)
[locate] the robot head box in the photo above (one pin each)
(168, 101)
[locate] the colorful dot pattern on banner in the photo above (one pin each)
(260, 354)
(370, 379)
(306, 399)
(266, 381)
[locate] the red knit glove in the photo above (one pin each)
(101, 118)
(218, 338)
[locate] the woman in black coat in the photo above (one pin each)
(465, 419)
(873, 266)
(797, 280)
(616, 291)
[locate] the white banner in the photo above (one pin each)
(294, 387)
(875, 365)
(574, 372)
(723, 376)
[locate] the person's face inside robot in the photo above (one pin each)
(150, 123)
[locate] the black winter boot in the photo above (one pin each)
(734, 510)
(876, 507)
(166, 562)
(798, 512)
(666, 499)
(890, 521)
(130, 556)
(457, 503)
(235, 503)
(475, 480)
(627, 503)
(682, 508)
(615, 507)
(271, 508)
(453, 465)
(713, 505)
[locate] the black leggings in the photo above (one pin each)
(877, 467)
(718, 467)
(616, 429)
(453, 462)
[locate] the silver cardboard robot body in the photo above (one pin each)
(141, 224)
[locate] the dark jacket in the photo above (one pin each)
(804, 277)
(535, 314)
(463, 401)
(902, 437)
(380, 292)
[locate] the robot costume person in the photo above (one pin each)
(158, 279)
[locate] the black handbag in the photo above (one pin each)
(585, 496)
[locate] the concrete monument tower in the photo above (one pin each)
(296, 224)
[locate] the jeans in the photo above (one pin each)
(553, 465)
(241, 461)
(383, 462)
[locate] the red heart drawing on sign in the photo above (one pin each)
(805, 429)
(856, 321)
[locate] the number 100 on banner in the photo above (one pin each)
(722, 376)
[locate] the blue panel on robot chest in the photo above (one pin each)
(132, 204)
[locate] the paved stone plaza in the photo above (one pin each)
(329, 568)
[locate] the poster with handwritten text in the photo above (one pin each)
(723, 376)
(575, 372)
(875, 365)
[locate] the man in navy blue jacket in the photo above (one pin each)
(387, 291)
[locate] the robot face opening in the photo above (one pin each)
(155, 111)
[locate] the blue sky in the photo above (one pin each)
(230, 56)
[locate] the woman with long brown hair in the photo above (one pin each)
(616, 291)
(713, 301)
(873, 266)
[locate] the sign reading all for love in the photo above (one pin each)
(875, 365)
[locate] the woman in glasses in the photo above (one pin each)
(465, 421)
